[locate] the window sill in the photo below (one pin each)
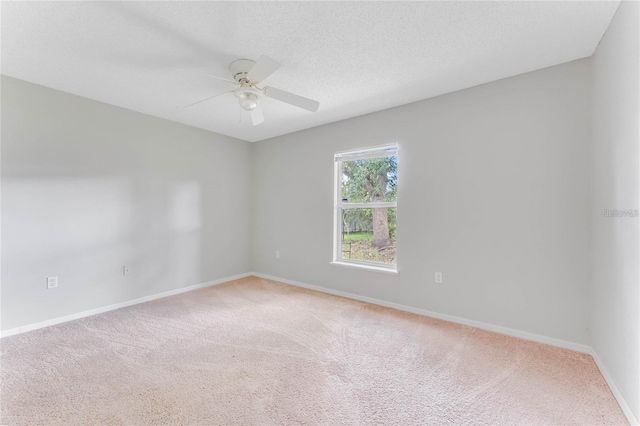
(366, 267)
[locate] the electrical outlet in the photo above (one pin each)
(52, 282)
(277, 254)
(126, 270)
(439, 277)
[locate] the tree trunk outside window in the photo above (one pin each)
(380, 225)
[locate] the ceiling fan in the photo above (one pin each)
(246, 75)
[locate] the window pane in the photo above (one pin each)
(370, 180)
(369, 235)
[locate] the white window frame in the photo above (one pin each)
(379, 151)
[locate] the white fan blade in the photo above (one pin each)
(256, 115)
(206, 99)
(201, 73)
(263, 68)
(290, 98)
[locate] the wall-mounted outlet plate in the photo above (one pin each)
(126, 270)
(277, 254)
(439, 277)
(52, 282)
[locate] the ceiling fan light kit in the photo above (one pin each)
(248, 97)
(247, 74)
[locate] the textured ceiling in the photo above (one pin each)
(353, 57)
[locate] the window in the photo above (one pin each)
(366, 207)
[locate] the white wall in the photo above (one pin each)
(616, 185)
(88, 187)
(493, 191)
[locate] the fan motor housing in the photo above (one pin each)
(240, 68)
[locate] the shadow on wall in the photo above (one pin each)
(84, 231)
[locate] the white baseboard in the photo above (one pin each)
(482, 325)
(633, 420)
(54, 321)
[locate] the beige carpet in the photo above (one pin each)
(259, 352)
